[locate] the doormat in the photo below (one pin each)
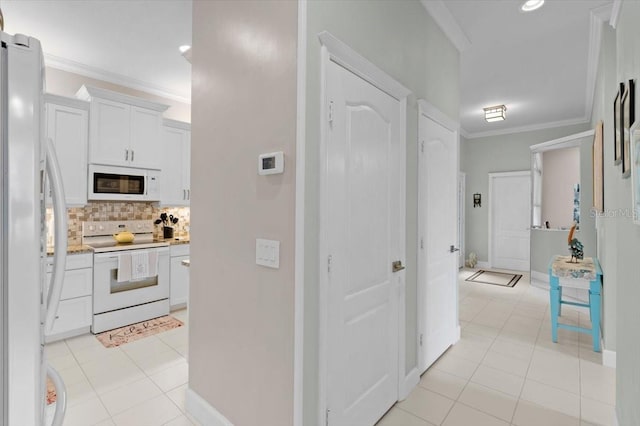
(503, 279)
(133, 332)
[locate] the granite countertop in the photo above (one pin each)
(175, 241)
(80, 249)
(72, 249)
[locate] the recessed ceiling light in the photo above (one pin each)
(531, 5)
(184, 48)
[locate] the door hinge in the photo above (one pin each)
(331, 112)
(326, 417)
(329, 263)
(420, 339)
(421, 243)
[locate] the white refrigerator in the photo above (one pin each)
(26, 307)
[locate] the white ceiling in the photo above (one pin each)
(536, 63)
(133, 43)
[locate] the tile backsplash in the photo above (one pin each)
(96, 211)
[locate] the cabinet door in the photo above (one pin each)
(179, 282)
(72, 318)
(109, 137)
(68, 129)
(186, 165)
(145, 138)
(174, 151)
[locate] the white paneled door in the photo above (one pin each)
(509, 219)
(364, 207)
(438, 254)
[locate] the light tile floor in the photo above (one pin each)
(505, 370)
(141, 383)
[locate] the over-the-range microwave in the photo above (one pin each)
(112, 183)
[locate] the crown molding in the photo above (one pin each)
(65, 101)
(529, 128)
(447, 23)
(86, 93)
(167, 122)
(597, 18)
(615, 13)
(122, 80)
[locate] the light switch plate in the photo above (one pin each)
(268, 253)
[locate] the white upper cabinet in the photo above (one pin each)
(67, 125)
(123, 130)
(176, 164)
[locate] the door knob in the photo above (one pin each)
(453, 249)
(397, 266)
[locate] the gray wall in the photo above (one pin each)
(404, 41)
(619, 236)
(241, 328)
(504, 153)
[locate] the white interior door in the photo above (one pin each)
(365, 170)
(509, 216)
(438, 218)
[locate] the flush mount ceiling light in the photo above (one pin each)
(495, 113)
(531, 5)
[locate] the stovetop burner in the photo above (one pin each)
(99, 235)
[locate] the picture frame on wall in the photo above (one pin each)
(628, 117)
(617, 126)
(598, 168)
(634, 133)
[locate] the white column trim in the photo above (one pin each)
(299, 257)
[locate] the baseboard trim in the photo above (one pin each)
(540, 276)
(608, 357)
(410, 381)
(483, 265)
(202, 411)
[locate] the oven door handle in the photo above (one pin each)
(60, 246)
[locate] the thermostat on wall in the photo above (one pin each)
(271, 163)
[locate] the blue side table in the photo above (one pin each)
(586, 274)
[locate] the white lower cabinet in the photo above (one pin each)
(179, 276)
(75, 309)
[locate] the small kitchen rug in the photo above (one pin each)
(503, 279)
(133, 332)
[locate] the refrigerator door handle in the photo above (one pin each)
(60, 246)
(61, 396)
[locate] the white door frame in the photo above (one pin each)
(433, 113)
(334, 50)
(492, 177)
(462, 196)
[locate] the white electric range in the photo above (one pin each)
(121, 297)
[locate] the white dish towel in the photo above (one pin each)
(124, 267)
(137, 265)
